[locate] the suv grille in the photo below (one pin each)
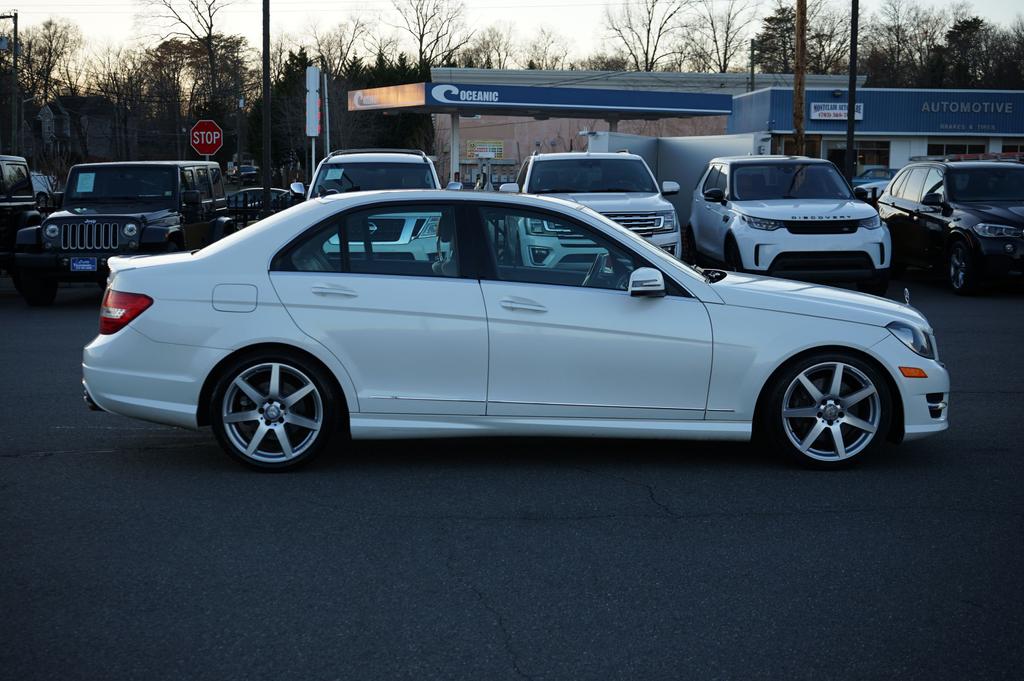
(822, 226)
(98, 236)
(641, 223)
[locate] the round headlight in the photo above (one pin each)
(130, 229)
(52, 231)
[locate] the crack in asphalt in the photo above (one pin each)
(651, 494)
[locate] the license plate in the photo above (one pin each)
(83, 264)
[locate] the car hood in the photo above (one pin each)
(815, 300)
(1002, 212)
(618, 202)
(805, 209)
(108, 211)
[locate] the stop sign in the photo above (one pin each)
(206, 137)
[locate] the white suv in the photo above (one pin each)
(365, 169)
(787, 216)
(620, 186)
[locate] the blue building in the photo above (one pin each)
(893, 126)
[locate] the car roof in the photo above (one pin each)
(147, 163)
(773, 158)
(20, 159)
(371, 156)
(969, 164)
(572, 155)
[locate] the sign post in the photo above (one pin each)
(312, 114)
(206, 138)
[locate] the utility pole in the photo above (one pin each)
(753, 58)
(799, 71)
(850, 157)
(15, 96)
(266, 107)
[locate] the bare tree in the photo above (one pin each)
(335, 47)
(437, 27)
(647, 30)
(118, 74)
(491, 48)
(718, 34)
(828, 37)
(546, 51)
(47, 49)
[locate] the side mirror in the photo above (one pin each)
(191, 198)
(454, 186)
(715, 195)
(646, 281)
(669, 188)
(931, 200)
(57, 199)
(860, 193)
(297, 188)
(509, 188)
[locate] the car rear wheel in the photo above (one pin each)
(828, 410)
(273, 411)
(962, 269)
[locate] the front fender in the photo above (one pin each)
(220, 227)
(29, 237)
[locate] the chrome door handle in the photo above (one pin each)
(520, 304)
(325, 290)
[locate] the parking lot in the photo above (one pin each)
(130, 550)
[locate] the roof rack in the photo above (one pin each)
(412, 152)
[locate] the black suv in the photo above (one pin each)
(966, 217)
(114, 209)
(17, 205)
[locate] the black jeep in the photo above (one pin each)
(113, 209)
(17, 205)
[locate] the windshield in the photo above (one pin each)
(354, 177)
(122, 183)
(590, 175)
(986, 184)
(788, 181)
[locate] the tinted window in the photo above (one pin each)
(17, 181)
(986, 184)
(217, 179)
(188, 179)
(203, 183)
(933, 182)
(538, 248)
(721, 178)
(788, 181)
(402, 240)
(896, 186)
(353, 177)
(710, 182)
(588, 175)
(121, 183)
(915, 185)
(521, 178)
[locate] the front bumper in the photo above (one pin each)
(860, 256)
(668, 242)
(1001, 256)
(925, 401)
(58, 264)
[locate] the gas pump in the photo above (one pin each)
(483, 165)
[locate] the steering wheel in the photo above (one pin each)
(618, 278)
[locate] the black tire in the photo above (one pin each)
(688, 252)
(824, 413)
(275, 416)
(876, 287)
(733, 259)
(962, 271)
(37, 291)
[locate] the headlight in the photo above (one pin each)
(985, 229)
(130, 229)
(914, 338)
(668, 220)
(52, 231)
(872, 222)
(762, 223)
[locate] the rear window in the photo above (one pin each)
(16, 180)
(764, 182)
(591, 175)
(339, 178)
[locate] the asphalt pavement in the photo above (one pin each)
(135, 551)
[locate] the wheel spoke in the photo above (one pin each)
(800, 413)
(859, 423)
(242, 416)
(286, 444)
(302, 422)
(810, 388)
(837, 380)
(859, 396)
(275, 381)
(837, 437)
(812, 436)
(257, 438)
(297, 395)
(249, 391)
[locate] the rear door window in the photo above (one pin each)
(203, 183)
(710, 182)
(17, 180)
(914, 185)
(933, 183)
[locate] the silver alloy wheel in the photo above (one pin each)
(957, 266)
(272, 412)
(831, 411)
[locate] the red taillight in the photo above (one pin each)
(119, 308)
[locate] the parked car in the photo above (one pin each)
(873, 174)
(356, 170)
(618, 185)
(787, 216)
(965, 218)
(280, 340)
(248, 174)
(43, 187)
(119, 209)
(253, 198)
(18, 207)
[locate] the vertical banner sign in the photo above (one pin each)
(312, 101)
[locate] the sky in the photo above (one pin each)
(117, 21)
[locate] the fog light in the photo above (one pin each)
(48, 246)
(1008, 248)
(133, 244)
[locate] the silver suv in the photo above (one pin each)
(366, 169)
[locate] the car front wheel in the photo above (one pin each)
(689, 247)
(962, 268)
(828, 410)
(273, 411)
(37, 291)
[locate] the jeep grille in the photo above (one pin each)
(95, 236)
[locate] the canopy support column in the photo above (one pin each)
(456, 148)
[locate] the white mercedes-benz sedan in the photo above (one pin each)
(300, 331)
